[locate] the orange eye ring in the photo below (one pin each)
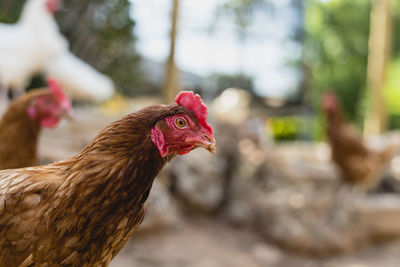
(180, 123)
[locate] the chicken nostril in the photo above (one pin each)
(207, 138)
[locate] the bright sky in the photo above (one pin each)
(203, 51)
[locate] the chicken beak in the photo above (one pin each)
(68, 114)
(208, 142)
(212, 146)
(205, 140)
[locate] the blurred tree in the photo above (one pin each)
(242, 12)
(100, 32)
(285, 128)
(396, 26)
(378, 56)
(171, 84)
(10, 10)
(336, 50)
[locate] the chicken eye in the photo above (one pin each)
(180, 123)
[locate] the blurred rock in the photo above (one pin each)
(294, 198)
(311, 221)
(197, 181)
(266, 255)
(381, 214)
(202, 181)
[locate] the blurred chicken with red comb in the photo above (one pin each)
(21, 124)
(359, 164)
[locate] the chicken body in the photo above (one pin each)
(81, 211)
(359, 164)
(91, 84)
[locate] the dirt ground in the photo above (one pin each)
(212, 243)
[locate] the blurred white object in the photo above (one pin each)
(232, 105)
(78, 78)
(26, 46)
(35, 45)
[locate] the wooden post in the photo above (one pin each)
(379, 48)
(171, 84)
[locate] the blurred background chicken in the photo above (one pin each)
(66, 67)
(359, 164)
(28, 45)
(34, 45)
(21, 124)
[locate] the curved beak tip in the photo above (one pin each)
(212, 146)
(205, 141)
(69, 115)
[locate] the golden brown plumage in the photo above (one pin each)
(359, 164)
(81, 211)
(19, 131)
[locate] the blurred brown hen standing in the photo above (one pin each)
(359, 164)
(21, 123)
(81, 211)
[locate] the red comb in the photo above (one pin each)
(329, 96)
(52, 5)
(194, 103)
(56, 89)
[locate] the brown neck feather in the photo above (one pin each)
(111, 178)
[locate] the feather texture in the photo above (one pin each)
(81, 211)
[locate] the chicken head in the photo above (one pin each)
(50, 108)
(53, 5)
(330, 103)
(182, 132)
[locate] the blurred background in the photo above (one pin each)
(286, 187)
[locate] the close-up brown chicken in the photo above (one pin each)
(358, 163)
(22, 121)
(81, 211)
(303, 98)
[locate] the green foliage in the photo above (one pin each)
(392, 94)
(288, 128)
(10, 10)
(396, 28)
(392, 88)
(392, 82)
(284, 128)
(336, 50)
